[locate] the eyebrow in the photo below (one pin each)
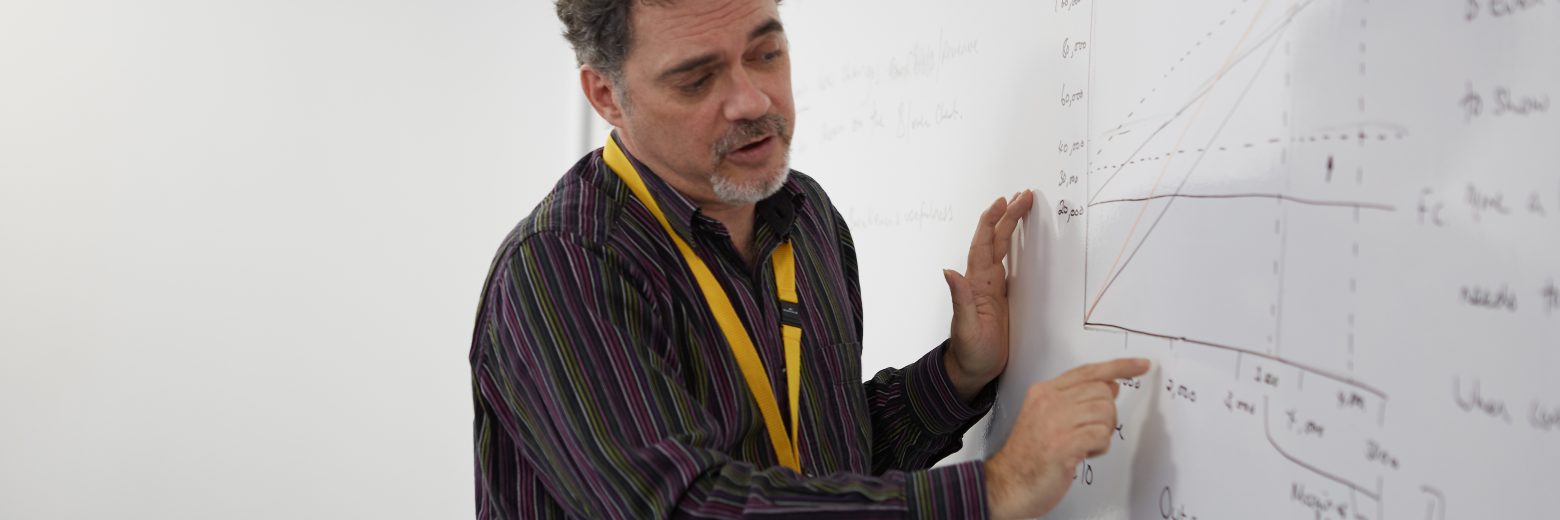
(771, 26)
(688, 65)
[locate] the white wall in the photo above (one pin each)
(241, 244)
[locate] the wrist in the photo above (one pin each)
(998, 500)
(965, 384)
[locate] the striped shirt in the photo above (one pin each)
(604, 389)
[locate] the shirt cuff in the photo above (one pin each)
(956, 491)
(935, 401)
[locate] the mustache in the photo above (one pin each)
(749, 130)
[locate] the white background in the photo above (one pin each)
(242, 243)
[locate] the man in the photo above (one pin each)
(676, 329)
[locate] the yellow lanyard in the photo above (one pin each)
(731, 325)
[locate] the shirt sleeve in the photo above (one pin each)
(566, 362)
(917, 416)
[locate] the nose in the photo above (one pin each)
(747, 101)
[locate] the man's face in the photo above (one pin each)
(707, 97)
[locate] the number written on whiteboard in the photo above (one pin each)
(1066, 211)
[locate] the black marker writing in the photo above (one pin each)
(1475, 400)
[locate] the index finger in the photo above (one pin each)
(985, 231)
(1106, 371)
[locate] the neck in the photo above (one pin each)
(737, 218)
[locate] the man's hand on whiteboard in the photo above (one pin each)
(1062, 422)
(979, 335)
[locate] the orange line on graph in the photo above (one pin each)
(1201, 103)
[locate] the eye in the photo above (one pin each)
(696, 86)
(773, 55)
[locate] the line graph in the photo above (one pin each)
(1265, 203)
(1202, 191)
(1252, 75)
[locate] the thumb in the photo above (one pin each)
(963, 294)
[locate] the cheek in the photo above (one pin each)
(781, 99)
(683, 129)
(782, 82)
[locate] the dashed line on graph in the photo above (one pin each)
(1362, 137)
(1184, 56)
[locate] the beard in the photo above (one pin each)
(732, 190)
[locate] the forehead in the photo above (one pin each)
(667, 31)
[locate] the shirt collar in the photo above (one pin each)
(777, 212)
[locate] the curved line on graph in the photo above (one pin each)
(1306, 368)
(1275, 196)
(1267, 429)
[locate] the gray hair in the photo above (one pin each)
(600, 32)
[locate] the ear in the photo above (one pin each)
(599, 91)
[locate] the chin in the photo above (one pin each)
(750, 190)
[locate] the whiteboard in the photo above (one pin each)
(1332, 223)
(242, 245)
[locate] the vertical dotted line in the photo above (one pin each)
(1359, 179)
(1276, 309)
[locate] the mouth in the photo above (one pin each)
(755, 143)
(755, 152)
